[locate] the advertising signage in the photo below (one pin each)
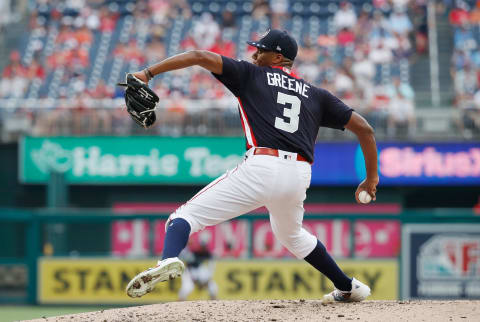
(399, 164)
(234, 239)
(199, 160)
(102, 280)
(120, 160)
(441, 261)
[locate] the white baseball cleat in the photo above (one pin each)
(358, 293)
(165, 270)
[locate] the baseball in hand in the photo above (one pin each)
(364, 197)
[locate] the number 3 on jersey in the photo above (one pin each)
(292, 113)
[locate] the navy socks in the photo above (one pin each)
(176, 239)
(322, 261)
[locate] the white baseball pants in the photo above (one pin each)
(278, 183)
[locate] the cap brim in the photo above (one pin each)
(258, 45)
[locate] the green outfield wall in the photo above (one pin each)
(64, 256)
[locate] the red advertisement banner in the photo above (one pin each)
(377, 238)
(333, 233)
(229, 239)
(130, 238)
(373, 238)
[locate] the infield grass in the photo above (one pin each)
(10, 313)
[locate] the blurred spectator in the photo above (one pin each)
(175, 114)
(343, 84)
(84, 36)
(205, 31)
(459, 15)
(345, 17)
(401, 108)
(345, 37)
(380, 35)
(419, 19)
(228, 21)
(306, 61)
(469, 122)
(383, 5)
(460, 59)
(130, 52)
(179, 8)
(475, 59)
(66, 36)
(465, 80)
(77, 84)
(326, 41)
(35, 70)
(400, 3)
(155, 50)
(260, 9)
(108, 20)
(188, 43)
(472, 115)
(363, 26)
(377, 108)
(363, 70)
(92, 19)
(14, 78)
(399, 21)
(224, 46)
(381, 54)
(159, 11)
(279, 12)
(475, 14)
(402, 48)
(379, 21)
(399, 87)
(401, 117)
(101, 91)
(5, 14)
(463, 38)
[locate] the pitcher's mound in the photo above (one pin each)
(288, 310)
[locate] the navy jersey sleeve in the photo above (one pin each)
(336, 114)
(235, 74)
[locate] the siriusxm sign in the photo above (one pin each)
(399, 164)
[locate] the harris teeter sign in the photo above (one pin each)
(119, 160)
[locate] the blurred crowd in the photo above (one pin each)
(10, 12)
(465, 67)
(366, 62)
(363, 58)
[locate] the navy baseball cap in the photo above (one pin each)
(278, 41)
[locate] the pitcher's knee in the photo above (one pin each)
(299, 244)
(181, 213)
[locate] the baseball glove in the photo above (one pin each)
(141, 101)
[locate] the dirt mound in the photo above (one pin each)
(287, 310)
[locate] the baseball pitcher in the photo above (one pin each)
(281, 115)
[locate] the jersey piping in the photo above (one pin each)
(251, 142)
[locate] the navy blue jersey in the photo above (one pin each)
(279, 110)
